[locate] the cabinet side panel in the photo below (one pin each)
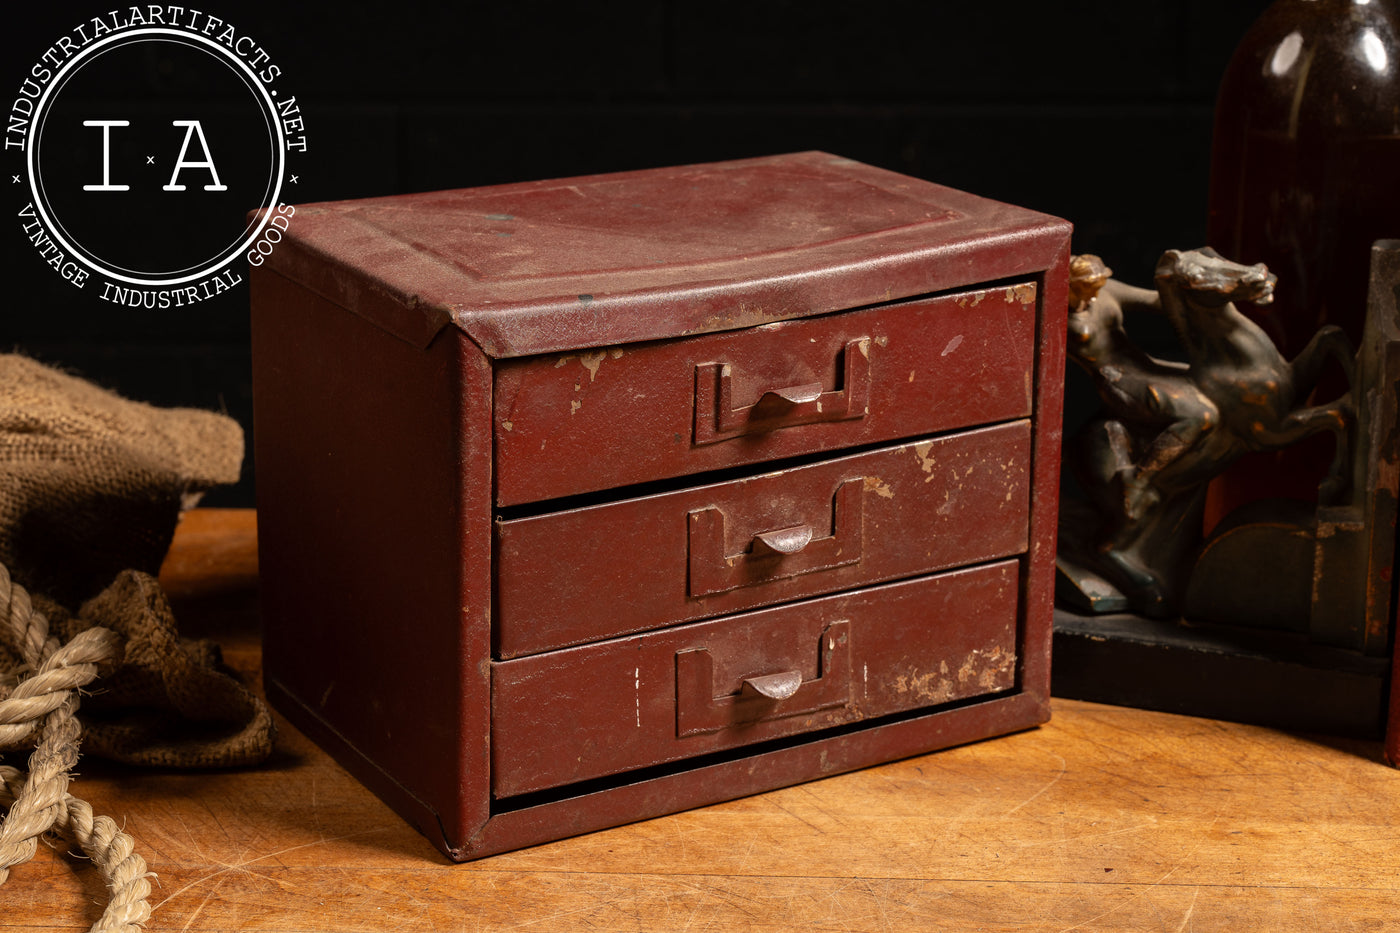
(1045, 468)
(370, 485)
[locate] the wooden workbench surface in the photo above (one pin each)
(1106, 819)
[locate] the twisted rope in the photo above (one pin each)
(47, 703)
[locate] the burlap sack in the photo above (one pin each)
(91, 487)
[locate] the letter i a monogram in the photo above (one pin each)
(192, 129)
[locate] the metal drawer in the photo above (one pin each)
(590, 573)
(623, 704)
(602, 419)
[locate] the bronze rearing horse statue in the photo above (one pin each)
(1169, 427)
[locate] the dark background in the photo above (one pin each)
(1098, 111)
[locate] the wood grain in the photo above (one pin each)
(1107, 819)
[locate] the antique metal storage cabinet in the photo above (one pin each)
(585, 501)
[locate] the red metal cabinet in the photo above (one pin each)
(584, 501)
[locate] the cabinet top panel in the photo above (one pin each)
(605, 259)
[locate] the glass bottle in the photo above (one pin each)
(1305, 175)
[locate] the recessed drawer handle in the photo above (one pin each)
(792, 395)
(783, 541)
(716, 418)
(762, 698)
(774, 686)
(775, 555)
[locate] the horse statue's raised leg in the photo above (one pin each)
(1328, 343)
(1302, 423)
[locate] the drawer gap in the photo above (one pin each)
(755, 750)
(674, 484)
(975, 565)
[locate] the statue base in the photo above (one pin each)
(1263, 677)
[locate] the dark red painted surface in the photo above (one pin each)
(575, 263)
(667, 303)
(913, 508)
(651, 412)
(622, 704)
(374, 548)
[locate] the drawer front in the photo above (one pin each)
(623, 704)
(599, 420)
(592, 573)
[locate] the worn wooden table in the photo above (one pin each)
(1106, 819)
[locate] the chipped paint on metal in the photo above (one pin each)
(930, 687)
(1024, 294)
(924, 451)
(952, 345)
(879, 487)
(988, 669)
(591, 362)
